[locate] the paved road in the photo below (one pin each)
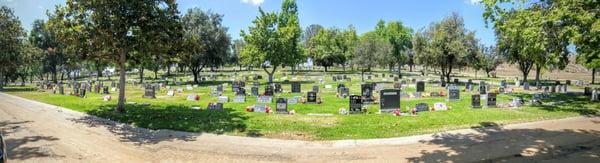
(37, 132)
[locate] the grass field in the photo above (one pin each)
(174, 113)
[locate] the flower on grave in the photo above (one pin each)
(397, 112)
(250, 109)
(268, 110)
(343, 111)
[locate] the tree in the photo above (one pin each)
(445, 45)
(325, 48)
(489, 59)
(11, 37)
(369, 49)
(273, 40)
(205, 40)
(41, 37)
(400, 37)
(118, 28)
(290, 34)
(533, 33)
(236, 49)
(310, 32)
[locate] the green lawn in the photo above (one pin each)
(175, 113)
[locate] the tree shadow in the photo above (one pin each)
(17, 148)
(8, 127)
(492, 143)
(569, 102)
(151, 125)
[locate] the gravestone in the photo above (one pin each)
(500, 89)
(269, 90)
(220, 88)
(256, 84)
(292, 100)
(215, 106)
(587, 91)
(367, 92)
(311, 97)
(355, 104)
(396, 79)
(61, 89)
(235, 86)
(552, 89)
(456, 81)
(171, 93)
(281, 106)
(334, 78)
(482, 89)
(189, 87)
(278, 88)
(368, 77)
(264, 99)
(558, 88)
(149, 92)
(82, 92)
(315, 88)
(239, 99)
(595, 95)
(344, 92)
(241, 92)
(503, 84)
(421, 107)
(105, 90)
(223, 99)
(296, 87)
(491, 100)
(568, 82)
(476, 101)
(254, 91)
(526, 86)
(389, 100)
(420, 86)
(453, 93)
(565, 88)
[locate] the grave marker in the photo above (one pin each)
(367, 92)
(491, 100)
(149, 92)
(296, 87)
(264, 99)
(281, 106)
(311, 97)
(239, 99)
(389, 100)
(453, 93)
(420, 86)
(476, 101)
(355, 104)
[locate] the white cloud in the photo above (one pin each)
(473, 2)
(253, 2)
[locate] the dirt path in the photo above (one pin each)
(37, 132)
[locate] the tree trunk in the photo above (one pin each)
(362, 75)
(121, 102)
(270, 73)
(593, 75)
(344, 68)
(155, 73)
(538, 71)
(141, 74)
(399, 72)
(168, 69)
(325, 68)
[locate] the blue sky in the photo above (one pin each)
(363, 14)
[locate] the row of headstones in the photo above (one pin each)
(79, 89)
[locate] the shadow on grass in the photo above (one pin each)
(493, 143)
(151, 125)
(570, 102)
(17, 89)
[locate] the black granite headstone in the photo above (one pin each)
(491, 100)
(355, 104)
(296, 87)
(389, 100)
(476, 101)
(281, 105)
(367, 92)
(311, 97)
(420, 86)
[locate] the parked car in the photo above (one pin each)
(2, 150)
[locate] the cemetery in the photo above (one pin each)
(315, 106)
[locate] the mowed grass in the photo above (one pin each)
(174, 112)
